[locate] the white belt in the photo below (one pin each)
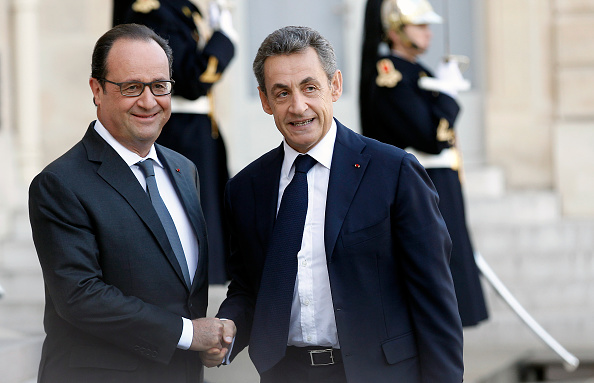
(183, 105)
(448, 158)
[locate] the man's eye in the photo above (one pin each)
(131, 87)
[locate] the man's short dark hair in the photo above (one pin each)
(289, 40)
(124, 31)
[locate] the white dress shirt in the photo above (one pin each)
(176, 209)
(312, 312)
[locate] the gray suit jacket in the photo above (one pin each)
(115, 293)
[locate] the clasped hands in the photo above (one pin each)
(212, 338)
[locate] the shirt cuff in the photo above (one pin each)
(185, 340)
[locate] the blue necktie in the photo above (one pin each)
(168, 224)
(272, 315)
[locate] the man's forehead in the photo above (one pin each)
(126, 46)
(132, 54)
(299, 63)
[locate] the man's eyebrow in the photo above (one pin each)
(278, 86)
(284, 86)
(308, 80)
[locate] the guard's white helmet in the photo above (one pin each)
(397, 13)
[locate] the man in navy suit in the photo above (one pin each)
(372, 298)
(119, 308)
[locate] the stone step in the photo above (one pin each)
(488, 201)
(527, 365)
(540, 267)
(554, 294)
(561, 236)
(514, 208)
(483, 181)
(569, 324)
(548, 265)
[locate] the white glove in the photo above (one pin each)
(448, 79)
(221, 20)
(214, 15)
(226, 25)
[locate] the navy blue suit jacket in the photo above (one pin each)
(115, 294)
(387, 251)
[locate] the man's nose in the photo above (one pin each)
(298, 104)
(147, 98)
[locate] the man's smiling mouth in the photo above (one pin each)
(146, 116)
(302, 123)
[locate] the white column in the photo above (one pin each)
(27, 86)
(9, 190)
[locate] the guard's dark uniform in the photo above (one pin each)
(198, 63)
(400, 113)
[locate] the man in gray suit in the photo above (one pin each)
(120, 234)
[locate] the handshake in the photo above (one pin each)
(212, 338)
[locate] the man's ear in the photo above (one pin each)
(264, 101)
(96, 88)
(336, 84)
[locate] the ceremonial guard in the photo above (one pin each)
(403, 104)
(202, 44)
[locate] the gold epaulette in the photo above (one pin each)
(145, 6)
(387, 75)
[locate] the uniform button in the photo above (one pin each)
(309, 338)
(306, 303)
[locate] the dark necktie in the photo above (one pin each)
(272, 315)
(153, 193)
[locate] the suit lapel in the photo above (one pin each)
(346, 172)
(116, 173)
(265, 188)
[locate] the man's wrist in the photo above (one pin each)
(185, 340)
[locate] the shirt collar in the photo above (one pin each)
(127, 155)
(321, 152)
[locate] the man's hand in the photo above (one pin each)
(215, 356)
(208, 334)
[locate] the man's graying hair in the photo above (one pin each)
(289, 40)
